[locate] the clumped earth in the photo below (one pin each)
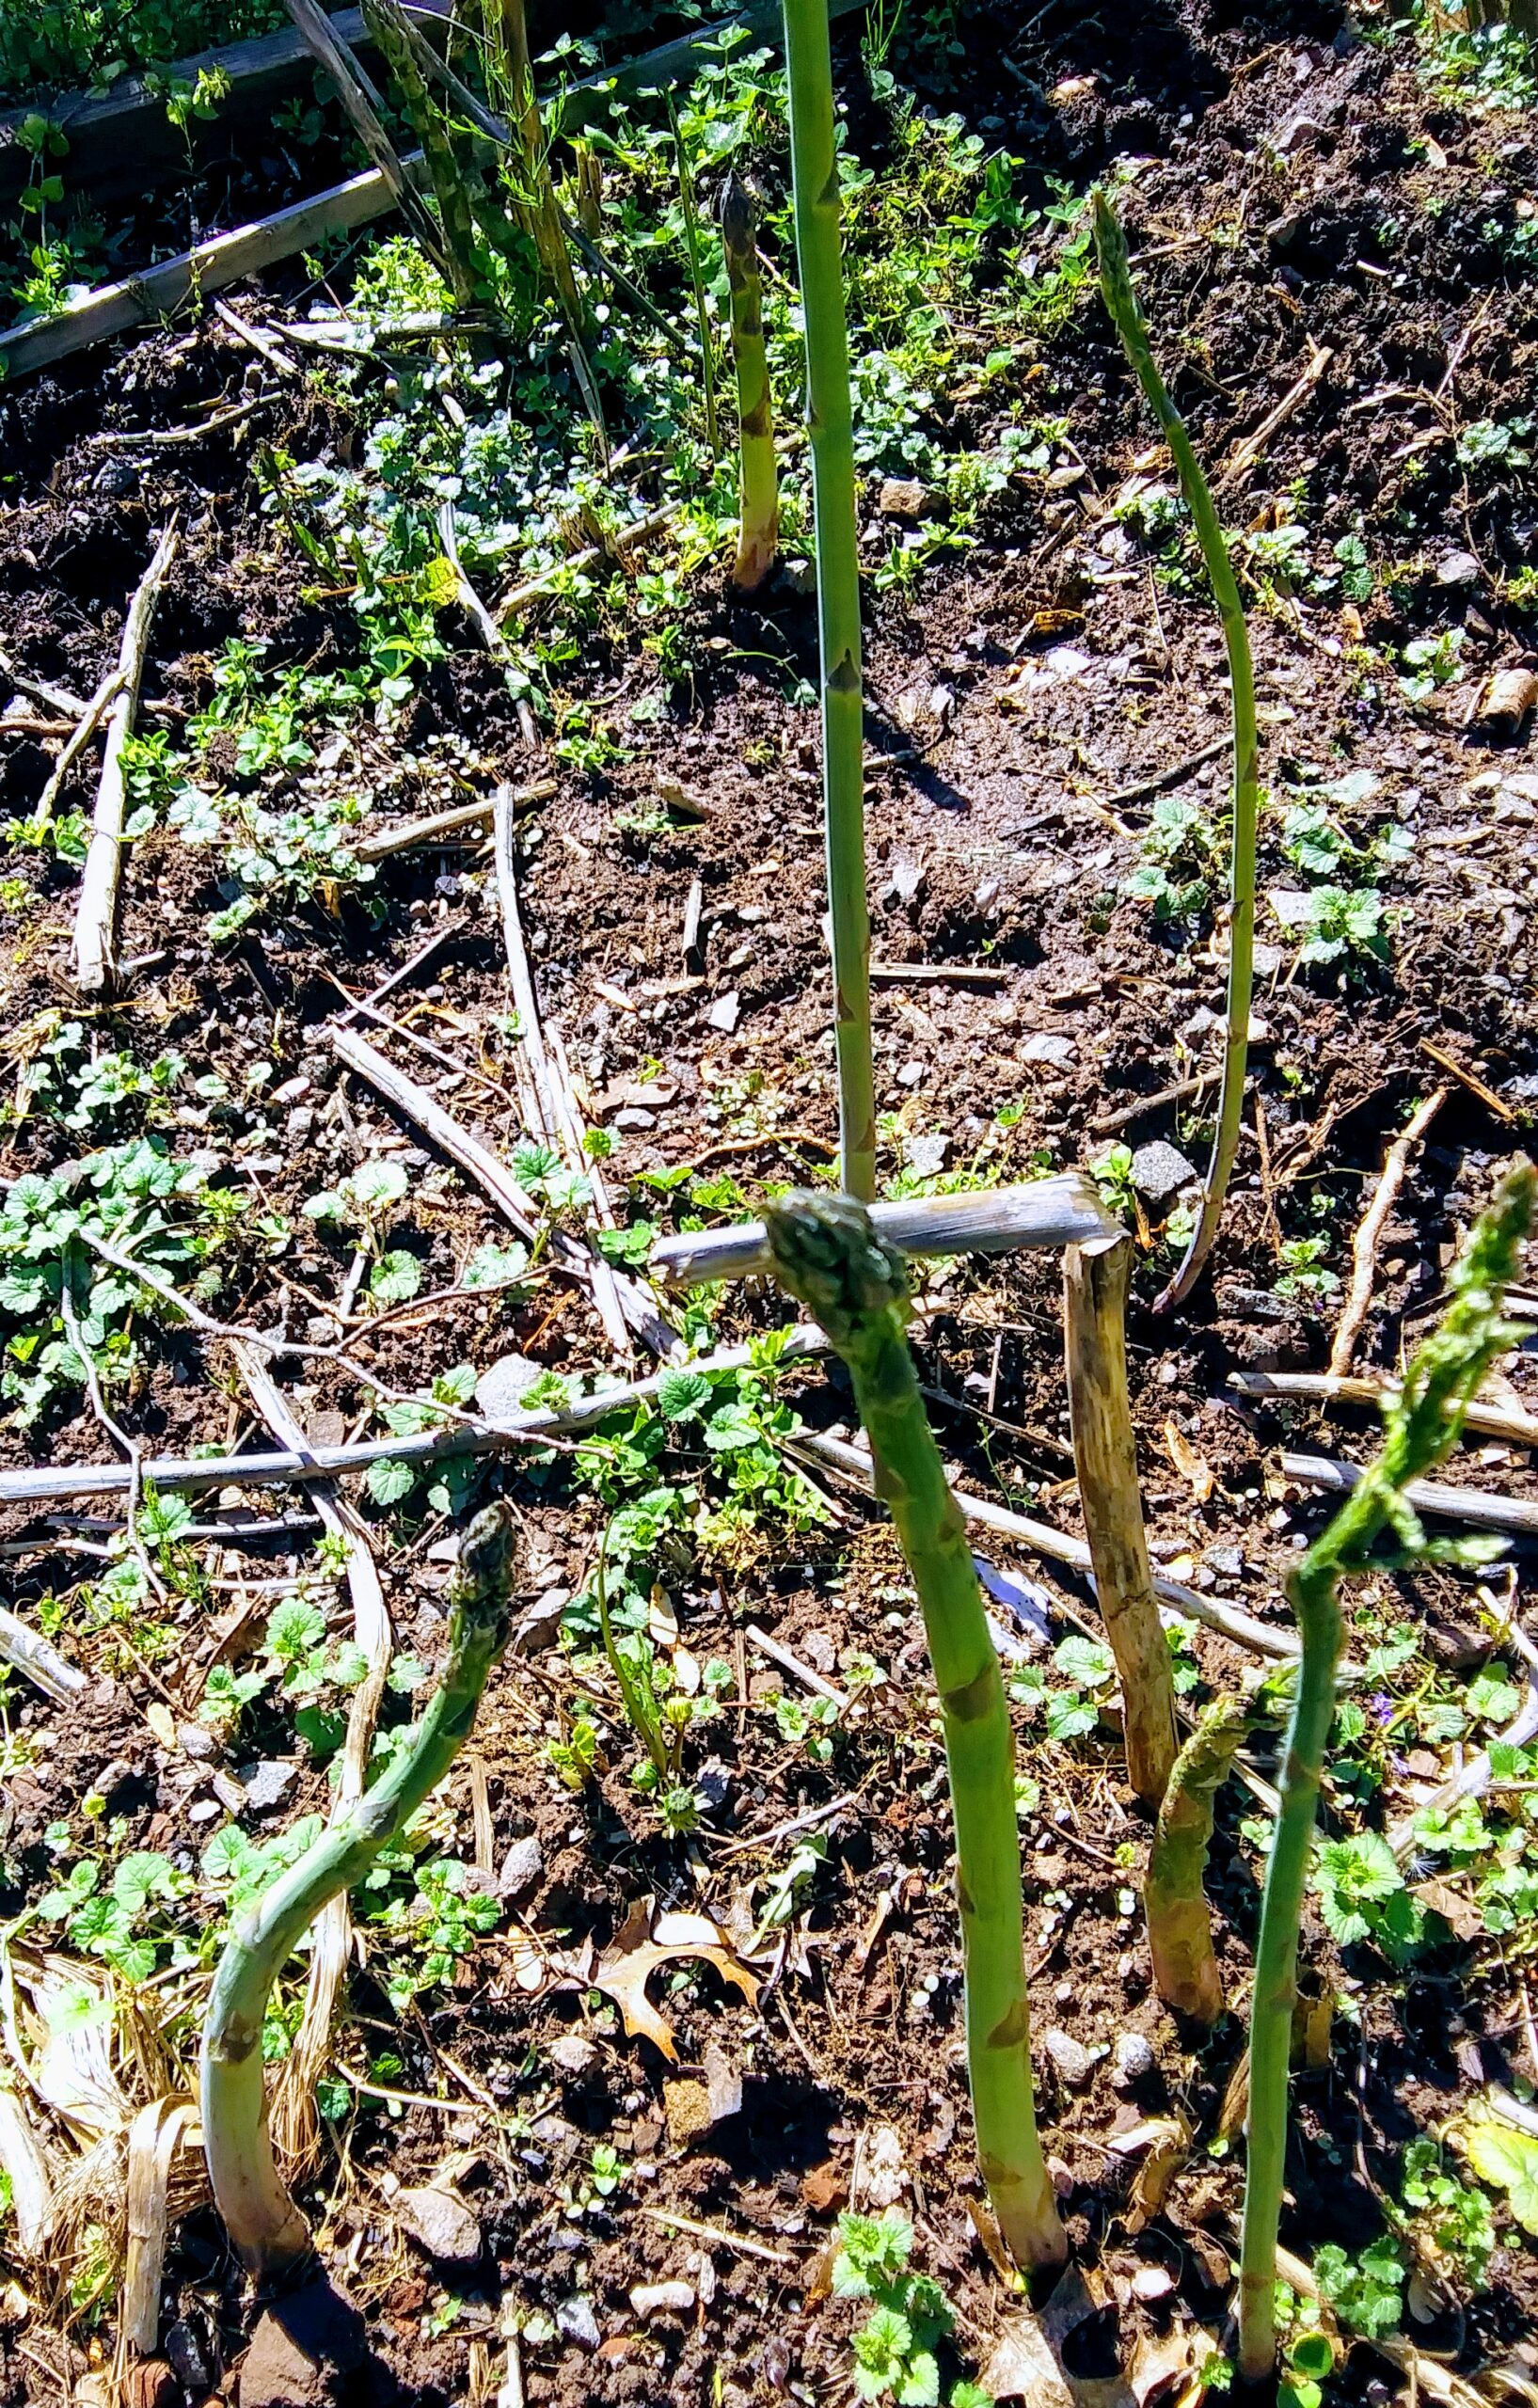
(1046, 797)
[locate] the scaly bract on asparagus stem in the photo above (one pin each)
(267, 2229)
(813, 158)
(827, 1253)
(1420, 1426)
(1174, 1895)
(758, 499)
(1121, 301)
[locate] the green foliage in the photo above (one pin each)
(1507, 2158)
(1304, 1270)
(274, 860)
(1366, 2292)
(60, 45)
(1362, 1896)
(895, 2349)
(64, 1077)
(1088, 1675)
(1450, 2221)
(136, 1197)
(1185, 853)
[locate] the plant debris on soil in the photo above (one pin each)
(556, 2157)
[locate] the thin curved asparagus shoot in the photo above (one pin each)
(1420, 1426)
(759, 498)
(827, 1253)
(1174, 1897)
(814, 159)
(1121, 303)
(266, 2228)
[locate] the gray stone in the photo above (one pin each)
(904, 497)
(1046, 1046)
(521, 1867)
(264, 1785)
(926, 1155)
(1458, 568)
(635, 1117)
(576, 2322)
(662, 2299)
(194, 1740)
(571, 2054)
(1070, 2059)
(439, 2222)
(1131, 2060)
(1160, 1170)
(503, 1385)
(725, 1012)
(296, 2346)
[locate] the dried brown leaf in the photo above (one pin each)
(643, 1943)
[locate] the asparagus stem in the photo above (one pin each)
(267, 2229)
(827, 1253)
(1174, 1898)
(815, 174)
(758, 521)
(1420, 1427)
(692, 244)
(1121, 301)
(507, 41)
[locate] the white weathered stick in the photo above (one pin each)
(792, 1664)
(1231, 1621)
(31, 2189)
(91, 719)
(621, 1305)
(154, 2136)
(448, 1136)
(1364, 1246)
(519, 597)
(445, 826)
(1253, 445)
(95, 953)
(1335, 1387)
(52, 1483)
(1512, 1515)
(1095, 1283)
(27, 1651)
(479, 616)
(1052, 1212)
(295, 2121)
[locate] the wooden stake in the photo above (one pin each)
(95, 953)
(1095, 1282)
(1364, 1248)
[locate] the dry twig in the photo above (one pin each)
(95, 959)
(1364, 1248)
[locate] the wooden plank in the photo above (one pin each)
(126, 134)
(122, 139)
(159, 291)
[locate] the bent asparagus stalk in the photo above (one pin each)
(758, 497)
(828, 1255)
(1174, 1896)
(267, 2229)
(1121, 303)
(1420, 1426)
(813, 158)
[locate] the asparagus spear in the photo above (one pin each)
(1174, 1899)
(828, 1255)
(1121, 301)
(266, 2228)
(1420, 1426)
(813, 158)
(758, 511)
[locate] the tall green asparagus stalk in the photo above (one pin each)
(1420, 1426)
(813, 158)
(267, 2229)
(758, 497)
(827, 1253)
(1121, 301)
